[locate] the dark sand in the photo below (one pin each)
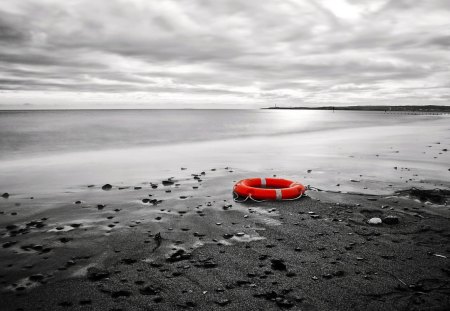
(317, 253)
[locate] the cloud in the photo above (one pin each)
(254, 52)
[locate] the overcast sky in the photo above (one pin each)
(224, 53)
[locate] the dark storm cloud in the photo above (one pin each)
(306, 51)
(11, 29)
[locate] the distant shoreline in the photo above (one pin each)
(427, 108)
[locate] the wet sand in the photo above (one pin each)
(184, 244)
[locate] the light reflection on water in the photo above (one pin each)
(66, 148)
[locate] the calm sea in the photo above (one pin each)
(73, 147)
(28, 133)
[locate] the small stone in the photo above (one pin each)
(284, 303)
(128, 261)
(227, 236)
(9, 244)
(339, 273)
(158, 299)
(121, 293)
(149, 290)
(391, 220)
(222, 302)
(240, 234)
(106, 187)
(11, 227)
(178, 255)
(96, 274)
(374, 221)
(227, 206)
(278, 264)
(65, 304)
(167, 182)
(5, 195)
(291, 274)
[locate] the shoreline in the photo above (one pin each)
(387, 108)
(99, 249)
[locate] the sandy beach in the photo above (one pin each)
(155, 227)
(184, 244)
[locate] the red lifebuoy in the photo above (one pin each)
(269, 189)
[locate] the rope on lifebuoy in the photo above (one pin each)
(236, 196)
(277, 190)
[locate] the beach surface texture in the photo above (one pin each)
(142, 224)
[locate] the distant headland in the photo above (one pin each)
(425, 108)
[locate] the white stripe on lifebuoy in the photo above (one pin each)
(263, 182)
(279, 195)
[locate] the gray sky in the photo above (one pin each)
(217, 53)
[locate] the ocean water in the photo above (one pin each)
(44, 150)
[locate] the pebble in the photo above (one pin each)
(223, 302)
(158, 299)
(167, 182)
(291, 274)
(5, 195)
(121, 293)
(391, 220)
(278, 264)
(106, 187)
(149, 290)
(178, 255)
(96, 274)
(374, 221)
